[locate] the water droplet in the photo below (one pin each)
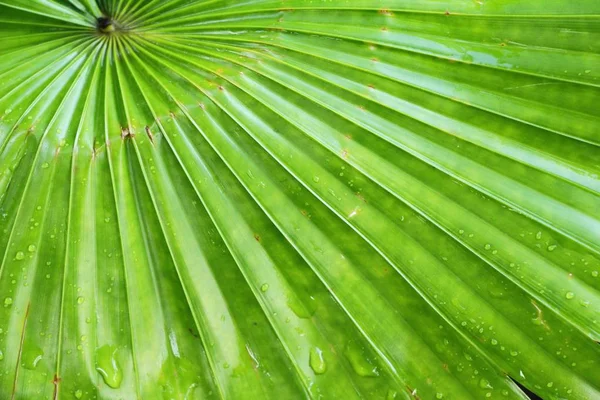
(538, 235)
(8, 301)
(31, 248)
(264, 287)
(316, 179)
(20, 255)
(302, 309)
(514, 353)
(485, 384)
(45, 165)
(439, 395)
(552, 247)
(78, 394)
(108, 366)
(107, 219)
(361, 364)
(1, 355)
(595, 274)
(31, 356)
(584, 303)
(494, 342)
(317, 362)
(487, 246)
(391, 394)
(569, 295)
(80, 300)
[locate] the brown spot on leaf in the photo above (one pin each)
(20, 353)
(149, 133)
(413, 392)
(55, 382)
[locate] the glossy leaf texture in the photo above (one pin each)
(328, 199)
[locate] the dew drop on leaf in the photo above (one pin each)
(108, 366)
(584, 303)
(31, 356)
(361, 364)
(301, 309)
(484, 384)
(569, 295)
(317, 361)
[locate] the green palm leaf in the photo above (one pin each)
(330, 199)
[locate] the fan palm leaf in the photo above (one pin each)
(378, 199)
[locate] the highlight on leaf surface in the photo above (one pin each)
(367, 199)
